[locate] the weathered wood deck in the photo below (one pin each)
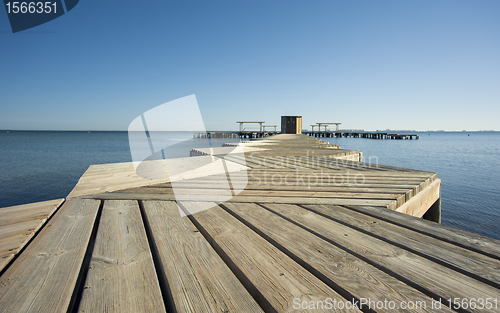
(18, 225)
(120, 244)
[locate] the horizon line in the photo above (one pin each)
(235, 131)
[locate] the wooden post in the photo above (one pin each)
(434, 212)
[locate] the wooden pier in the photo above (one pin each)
(240, 134)
(350, 134)
(216, 135)
(312, 227)
(324, 134)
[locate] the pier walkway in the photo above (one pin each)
(313, 230)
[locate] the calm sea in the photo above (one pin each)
(44, 165)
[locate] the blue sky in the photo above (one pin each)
(368, 64)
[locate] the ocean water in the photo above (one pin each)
(43, 165)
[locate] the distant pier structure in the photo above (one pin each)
(326, 124)
(264, 127)
(353, 134)
(216, 135)
(293, 125)
(242, 133)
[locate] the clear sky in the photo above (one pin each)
(368, 64)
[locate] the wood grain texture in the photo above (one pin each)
(242, 198)
(471, 241)
(113, 177)
(339, 269)
(18, 225)
(272, 278)
(418, 205)
(428, 276)
(28, 212)
(197, 278)
(44, 276)
(121, 276)
(469, 262)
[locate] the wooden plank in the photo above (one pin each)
(109, 177)
(365, 172)
(367, 193)
(271, 192)
(7, 246)
(255, 185)
(474, 242)
(28, 212)
(14, 237)
(333, 176)
(280, 155)
(356, 167)
(325, 161)
(18, 225)
(24, 227)
(425, 275)
(322, 194)
(340, 270)
(419, 204)
(313, 182)
(197, 278)
(271, 277)
(121, 276)
(240, 198)
(44, 276)
(461, 259)
(113, 177)
(166, 188)
(162, 188)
